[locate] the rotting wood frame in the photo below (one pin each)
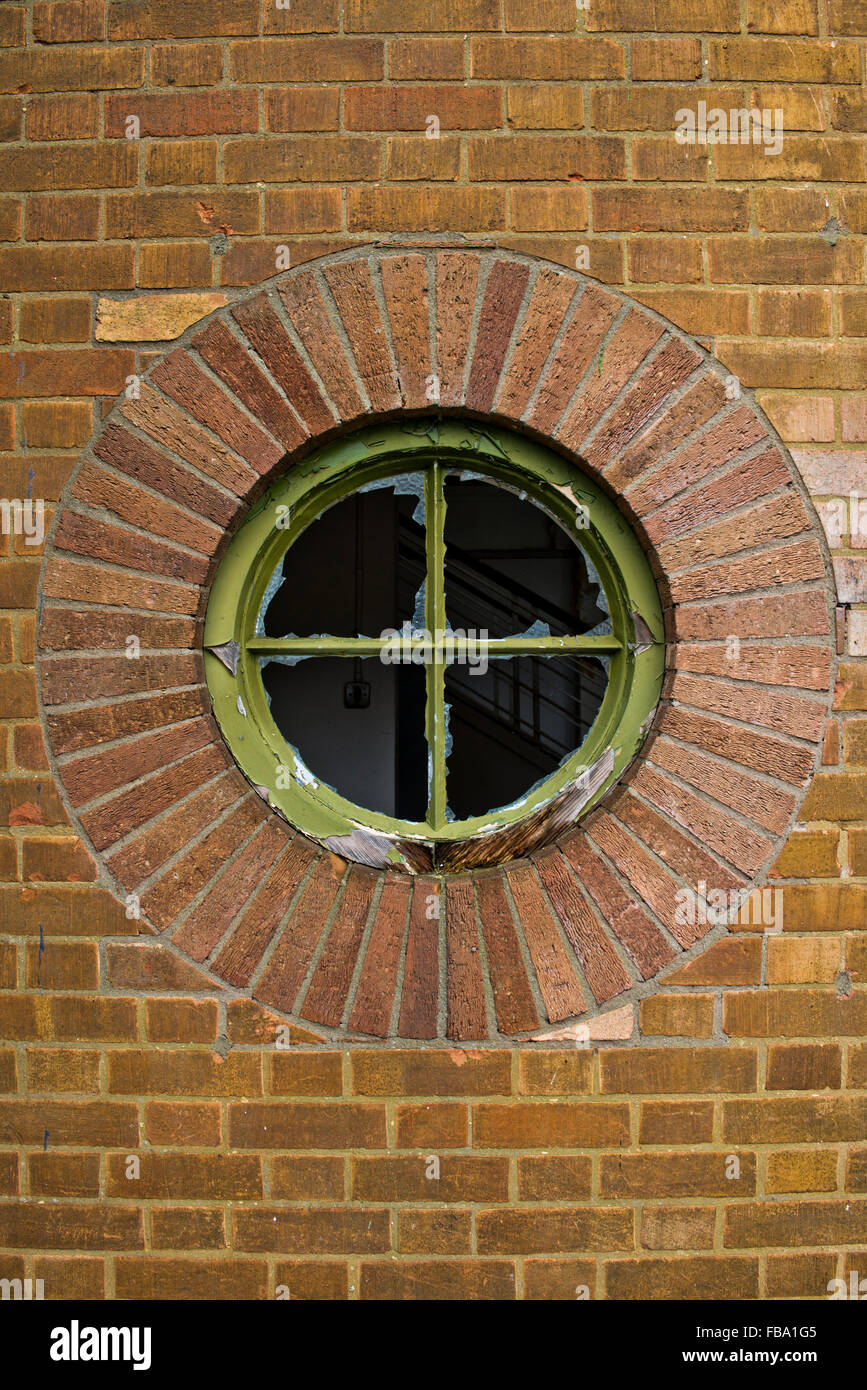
(433, 447)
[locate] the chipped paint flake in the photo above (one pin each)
(228, 653)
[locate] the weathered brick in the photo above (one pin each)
(674, 1175)
(773, 59)
(543, 157)
(69, 1122)
(406, 1179)
(181, 1020)
(435, 1232)
(544, 1230)
(306, 1126)
(211, 1177)
(73, 116)
(426, 59)
(71, 1226)
(658, 59)
(688, 209)
(410, 1072)
(309, 1279)
(80, 1276)
(185, 64)
(307, 1178)
(212, 113)
(157, 19)
(188, 1228)
(794, 1120)
(707, 1070)
(547, 1179)
(77, 69)
(432, 1126)
(63, 1175)
(554, 1124)
(62, 1069)
(161, 1071)
(316, 1230)
(751, 1224)
(677, 1228)
(800, 1276)
(802, 1170)
(437, 1280)
(70, 371)
(386, 16)
(678, 1015)
(472, 209)
(176, 1124)
(69, 21)
(690, 1277)
(572, 58)
(163, 1277)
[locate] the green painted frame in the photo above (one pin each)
(434, 448)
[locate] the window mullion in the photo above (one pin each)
(435, 622)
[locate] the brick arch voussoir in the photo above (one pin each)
(577, 930)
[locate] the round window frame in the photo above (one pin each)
(336, 471)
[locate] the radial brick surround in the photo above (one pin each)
(577, 930)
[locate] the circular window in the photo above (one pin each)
(429, 636)
(433, 646)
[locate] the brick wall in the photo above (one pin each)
(608, 1168)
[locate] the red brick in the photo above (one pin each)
(572, 58)
(156, 19)
(386, 16)
(406, 1179)
(689, 1277)
(188, 1228)
(435, 1232)
(622, 355)
(374, 995)
(309, 316)
(185, 64)
(71, 1226)
(210, 1278)
(457, 280)
(404, 281)
(70, 117)
(352, 288)
(176, 1124)
(426, 59)
(701, 1071)
(319, 1230)
(445, 1280)
(81, 69)
(772, 59)
(307, 1178)
(188, 385)
(187, 113)
(544, 1230)
(69, 21)
(64, 1175)
(70, 372)
(432, 1126)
